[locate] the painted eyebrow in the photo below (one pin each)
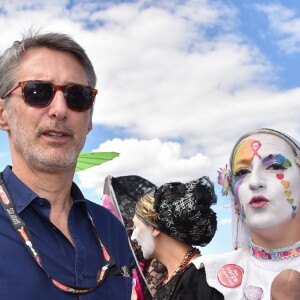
(278, 158)
(242, 162)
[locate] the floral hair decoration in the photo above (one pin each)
(225, 180)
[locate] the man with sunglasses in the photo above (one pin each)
(55, 244)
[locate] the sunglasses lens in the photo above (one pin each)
(79, 98)
(38, 94)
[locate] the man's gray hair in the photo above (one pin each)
(10, 59)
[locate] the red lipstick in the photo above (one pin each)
(258, 202)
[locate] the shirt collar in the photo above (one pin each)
(23, 195)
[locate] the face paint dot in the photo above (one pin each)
(280, 176)
(287, 163)
(285, 184)
(288, 194)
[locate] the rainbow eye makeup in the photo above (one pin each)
(277, 160)
(245, 153)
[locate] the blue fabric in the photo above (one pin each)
(20, 275)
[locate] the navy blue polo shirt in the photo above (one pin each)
(78, 265)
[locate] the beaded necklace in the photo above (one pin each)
(186, 260)
(275, 254)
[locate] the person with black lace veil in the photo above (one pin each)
(120, 195)
(168, 226)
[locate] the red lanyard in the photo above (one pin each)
(23, 232)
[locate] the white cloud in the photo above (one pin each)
(153, 159)
(285, 23)
(155, 83)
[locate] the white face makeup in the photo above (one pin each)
(266, 181)
(143, 235)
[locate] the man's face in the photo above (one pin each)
(52, 137)
(266, 181)
(143, 235)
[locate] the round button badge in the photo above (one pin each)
(253, 293)
(230, 275)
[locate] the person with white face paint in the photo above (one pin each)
(143, 235)
(264, 182)
(120, 197)
(167, 226)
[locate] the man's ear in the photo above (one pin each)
(3, 116)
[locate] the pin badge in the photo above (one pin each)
(230, 275)
(253, 293)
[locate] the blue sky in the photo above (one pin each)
(179, 82)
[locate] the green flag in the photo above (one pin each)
(90, 159)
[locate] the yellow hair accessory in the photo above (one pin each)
(144, 209)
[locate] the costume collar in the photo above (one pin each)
(275, 254)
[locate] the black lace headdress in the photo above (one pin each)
(182, 210)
